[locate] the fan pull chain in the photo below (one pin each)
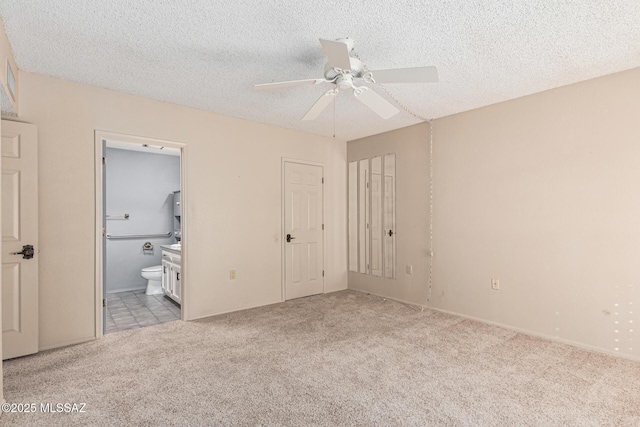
(370, 78)
(334, 116)
(401, 105)
(430, 138)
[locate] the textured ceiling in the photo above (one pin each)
(208, 54)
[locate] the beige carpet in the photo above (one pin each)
(339, 359)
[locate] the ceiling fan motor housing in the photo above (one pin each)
(345, 81)
(357, 70)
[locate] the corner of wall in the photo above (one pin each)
(8, 91)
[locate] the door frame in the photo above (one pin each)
(283, 267)
(99, 136)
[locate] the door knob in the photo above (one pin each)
(390, 233)
(26, 252)
(289, 238)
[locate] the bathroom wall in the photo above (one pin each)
(140, 184)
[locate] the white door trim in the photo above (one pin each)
(283, 227)
(112, 136)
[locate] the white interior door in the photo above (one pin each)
(303, 240)
(19, 229)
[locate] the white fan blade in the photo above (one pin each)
(320, 105)
(337, 53)
(264, 86)
(378, 104)
(406, 75)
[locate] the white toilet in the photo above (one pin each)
(154, 279)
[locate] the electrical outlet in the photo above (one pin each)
(495, 284)
(409, 269)
(232, 274)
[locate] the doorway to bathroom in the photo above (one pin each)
(139, 279)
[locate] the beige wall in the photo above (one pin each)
(233, 178)
(543, 193)
(411, 146)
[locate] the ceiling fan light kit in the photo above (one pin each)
(344, 70)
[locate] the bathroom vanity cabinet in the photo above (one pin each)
(171, 277)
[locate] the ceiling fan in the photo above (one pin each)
(343, 70)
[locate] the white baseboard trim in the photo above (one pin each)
(540, 335)
(115, 291)
(409, 303)
(253, 306)
(233, 310)
(513, 328)
(66, 343)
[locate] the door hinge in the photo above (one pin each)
(323, 226)
(104, 161)
(102, 231)
(104, 302)
(322, 273)
(323, 180)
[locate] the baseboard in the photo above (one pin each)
(137, 288)
(540, 335)
(252, 306)
(233, 310)
(409, 303)
(512, 328)
(66, 343)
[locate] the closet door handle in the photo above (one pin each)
(390, 233)
(26, 252)
(289, 238)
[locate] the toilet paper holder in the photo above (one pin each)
(147, 246)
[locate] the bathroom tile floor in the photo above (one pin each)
(134, 309)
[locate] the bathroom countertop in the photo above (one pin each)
(175, 247)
